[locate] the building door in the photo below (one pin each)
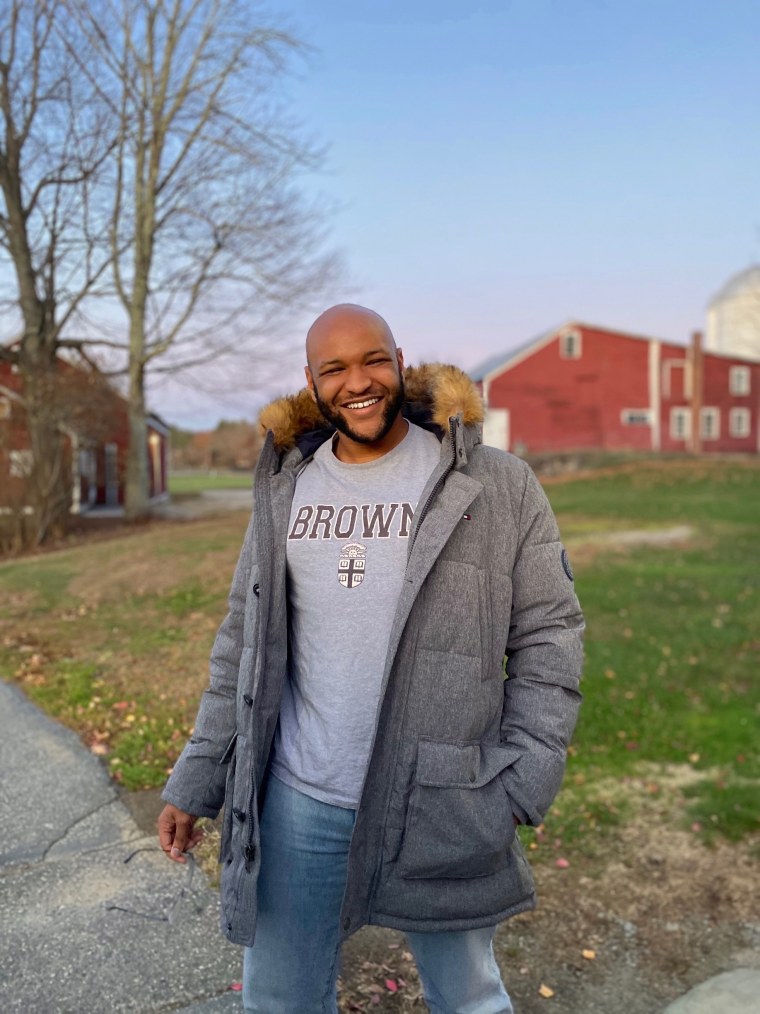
(496, 428)
(112, 475)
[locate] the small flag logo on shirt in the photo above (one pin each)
(351, 565)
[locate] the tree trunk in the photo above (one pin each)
(137, 505)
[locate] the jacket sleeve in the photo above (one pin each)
(544, 659)
(196, 784)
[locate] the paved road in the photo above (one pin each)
(92, 916)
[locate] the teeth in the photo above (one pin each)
(363, 404)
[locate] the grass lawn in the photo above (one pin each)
(671, 689)
(191, 483)
(113, 639)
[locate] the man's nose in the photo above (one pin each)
(358, 380)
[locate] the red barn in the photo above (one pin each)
(580, 386)
(95, 423)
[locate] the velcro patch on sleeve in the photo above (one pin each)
(566, 564)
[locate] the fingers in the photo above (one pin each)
(176, 833)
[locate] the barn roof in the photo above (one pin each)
(500, 361)
(496, 362)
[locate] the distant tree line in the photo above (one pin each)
(234, 444)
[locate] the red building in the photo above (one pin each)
(579, 386)
(94, 420)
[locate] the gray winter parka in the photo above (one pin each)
(458, 748)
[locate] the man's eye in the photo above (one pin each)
(377, 362)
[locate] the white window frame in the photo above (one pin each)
(20, 464)
(576, 350)
(5, 407)
(736, 429)
(627, 413)
(739, 380)
(684, 414)
(705, 413)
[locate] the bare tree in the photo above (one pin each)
(53, 143)
(211, 241)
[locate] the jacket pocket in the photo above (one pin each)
(459, 821)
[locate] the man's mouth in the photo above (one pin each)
(366, 403)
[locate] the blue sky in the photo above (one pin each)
(499, 167)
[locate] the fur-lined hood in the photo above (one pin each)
(434, 393)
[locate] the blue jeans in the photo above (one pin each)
(294, 964)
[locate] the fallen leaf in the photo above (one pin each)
(391, 986)
(562, 864)
(588, 954)
(545, 991)
(100, 749)
(236, 987)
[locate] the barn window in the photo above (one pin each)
(635, 417)
(709, 423)
(570, 345)
(20, 464)
(738, 380)
(680, 423)
(738, 422)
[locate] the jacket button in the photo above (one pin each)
(256, 589)
(238, 813)
(471, 776)
(248, 699)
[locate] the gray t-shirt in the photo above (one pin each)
(346, 552)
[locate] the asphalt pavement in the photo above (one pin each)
(93, 918)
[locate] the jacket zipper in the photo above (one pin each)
(249, 850)
(437, 488)
(426, 507)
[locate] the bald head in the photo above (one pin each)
(355, 374)
(344, 323)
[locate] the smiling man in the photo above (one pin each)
(355, 373)
(371, 757)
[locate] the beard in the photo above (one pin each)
(394, 401)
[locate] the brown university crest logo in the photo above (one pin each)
(351, 565)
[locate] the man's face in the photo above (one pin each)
(355, 375)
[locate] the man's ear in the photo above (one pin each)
(400, 360)
(310, 383)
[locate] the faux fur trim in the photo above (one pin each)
(439, 390)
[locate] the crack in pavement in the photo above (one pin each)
(13, 868)
(79, 820)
